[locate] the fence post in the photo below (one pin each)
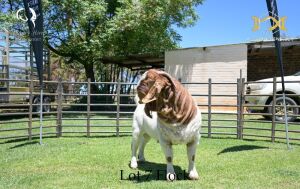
(30, 108)
(59, 108)
(238, 109)
(274, 110)
(88, 126)
(242, 101)
(209, 108)
(118, 108)
(7, 59)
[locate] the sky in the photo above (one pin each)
(230, 21)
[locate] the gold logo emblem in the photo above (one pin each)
(278, 23)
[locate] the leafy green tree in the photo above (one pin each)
(85, 31)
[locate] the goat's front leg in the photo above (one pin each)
(136, 138)
(167, 149)
(191, 152)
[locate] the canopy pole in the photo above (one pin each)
(273, 12)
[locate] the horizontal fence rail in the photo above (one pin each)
(106, 108)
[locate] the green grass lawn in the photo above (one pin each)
(74, 161)
(97, 162)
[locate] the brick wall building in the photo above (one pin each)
(262, 60)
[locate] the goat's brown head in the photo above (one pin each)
(152, 83)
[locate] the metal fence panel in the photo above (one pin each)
(75, 110)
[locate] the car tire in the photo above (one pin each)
(280, 110)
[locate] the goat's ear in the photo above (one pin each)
(147, 111)
(149, 108)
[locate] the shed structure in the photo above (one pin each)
(225, 64)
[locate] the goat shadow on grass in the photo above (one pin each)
(150, 171)
(241, 148)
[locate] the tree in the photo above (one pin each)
(86, 31)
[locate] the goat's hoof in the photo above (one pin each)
(133, 164)
(193, 175)
(142, 159)
(171, 177)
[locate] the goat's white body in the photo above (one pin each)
(180, 134)
(167, 134)
(158, 129)
(142, 124)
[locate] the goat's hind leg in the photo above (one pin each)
(191, 152)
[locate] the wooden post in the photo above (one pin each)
(31, 58)
(238, 109)
(118, 108)
(6, 63)
(274, 110)
(209, 108)
(30, 108)
(28, 76)
(59, 108)
(238, 106)
(242, 101)
(88, 126)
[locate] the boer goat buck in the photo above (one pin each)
(166, 112)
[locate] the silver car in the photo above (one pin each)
(265, 87)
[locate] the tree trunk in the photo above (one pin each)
(89, 73)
